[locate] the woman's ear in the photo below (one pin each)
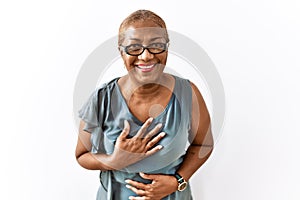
(120, 50)
(122, 54)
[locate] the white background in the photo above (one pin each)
(254, 44)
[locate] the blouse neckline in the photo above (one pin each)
(123, 101)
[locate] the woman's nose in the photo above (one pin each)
(146, 55)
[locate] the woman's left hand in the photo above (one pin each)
(161, 186)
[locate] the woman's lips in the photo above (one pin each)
(145, 68)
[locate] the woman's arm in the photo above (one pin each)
(200, 136)
(198, 152)
(126, 152)
(83, 155)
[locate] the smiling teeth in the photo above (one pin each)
(146, 67)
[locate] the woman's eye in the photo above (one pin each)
(156, 45)
(134, 46)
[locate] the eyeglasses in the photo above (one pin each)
(138, 49)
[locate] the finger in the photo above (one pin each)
(125, 131)
(153, 131)
(143, 129)
(137, 191)
(147, 176)
(136, 184)
(137, 198)
(152, 142)
(154, 150)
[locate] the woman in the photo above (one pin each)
(135, 129)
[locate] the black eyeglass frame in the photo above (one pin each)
(165, 47)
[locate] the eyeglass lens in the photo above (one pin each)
(137, 49)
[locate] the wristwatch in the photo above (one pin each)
(181, 182)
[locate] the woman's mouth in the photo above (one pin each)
(145, 68)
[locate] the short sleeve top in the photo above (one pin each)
(106, 109)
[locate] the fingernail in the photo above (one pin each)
(126, 181)
(128, 186)
(159, 147)
(162, 134)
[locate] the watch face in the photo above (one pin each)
(182, 186)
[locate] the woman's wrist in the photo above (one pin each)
(107, 162)
(174, 183)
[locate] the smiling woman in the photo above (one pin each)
(144, 51)
(135, 128)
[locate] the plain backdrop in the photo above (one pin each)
(254, 45)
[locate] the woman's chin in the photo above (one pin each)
(145, 78)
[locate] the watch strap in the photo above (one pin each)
(182, 184)
(179, 178)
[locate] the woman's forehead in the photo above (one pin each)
(145, 33)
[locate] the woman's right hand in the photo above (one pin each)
(131, 150)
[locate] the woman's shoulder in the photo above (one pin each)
(107, 85)
(178, 78)
(180, 82)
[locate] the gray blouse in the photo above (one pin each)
(104, 114)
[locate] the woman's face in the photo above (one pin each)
(146, 67)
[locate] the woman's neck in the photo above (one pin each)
(146, 90)
(131, 88)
